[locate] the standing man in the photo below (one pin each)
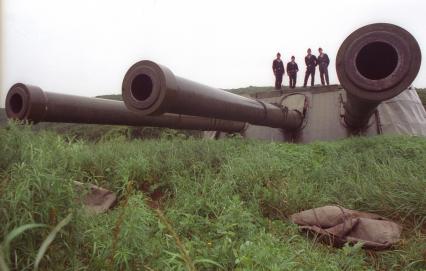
(323, 62)
(292, 70)
(278, 69)
(311, 63)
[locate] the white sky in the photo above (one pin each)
(84, 47)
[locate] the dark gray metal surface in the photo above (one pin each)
(150, 88)
(375, 63)
(324, 121)
(26, 102)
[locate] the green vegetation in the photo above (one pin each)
(3, 117)
(203, 204)
(422, 95)
(95, 132)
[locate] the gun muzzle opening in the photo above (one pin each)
(16, 103)
(25, 102)
(141, 87)
(144, 86)
(375, 63)
(377, 60)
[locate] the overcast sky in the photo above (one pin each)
(84, 47)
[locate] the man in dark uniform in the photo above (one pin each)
(323, 62)
(278, 69)
(311, 63)
(292, 70)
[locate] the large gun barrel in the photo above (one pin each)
(27, 102)
(150, 88)
(375, 63)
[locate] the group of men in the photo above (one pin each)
(311, 61)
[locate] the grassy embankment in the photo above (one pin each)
(204, 204)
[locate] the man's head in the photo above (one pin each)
(309, 51)
(292, 58)
(320, 50)
(278, 55)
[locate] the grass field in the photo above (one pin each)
(187, 204)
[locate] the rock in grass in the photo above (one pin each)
(97, 200)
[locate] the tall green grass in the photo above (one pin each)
(222, 205)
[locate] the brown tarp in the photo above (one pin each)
(337, 226)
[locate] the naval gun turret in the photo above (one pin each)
(376, 65)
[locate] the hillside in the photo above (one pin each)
(111, 97)
(203, 204)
